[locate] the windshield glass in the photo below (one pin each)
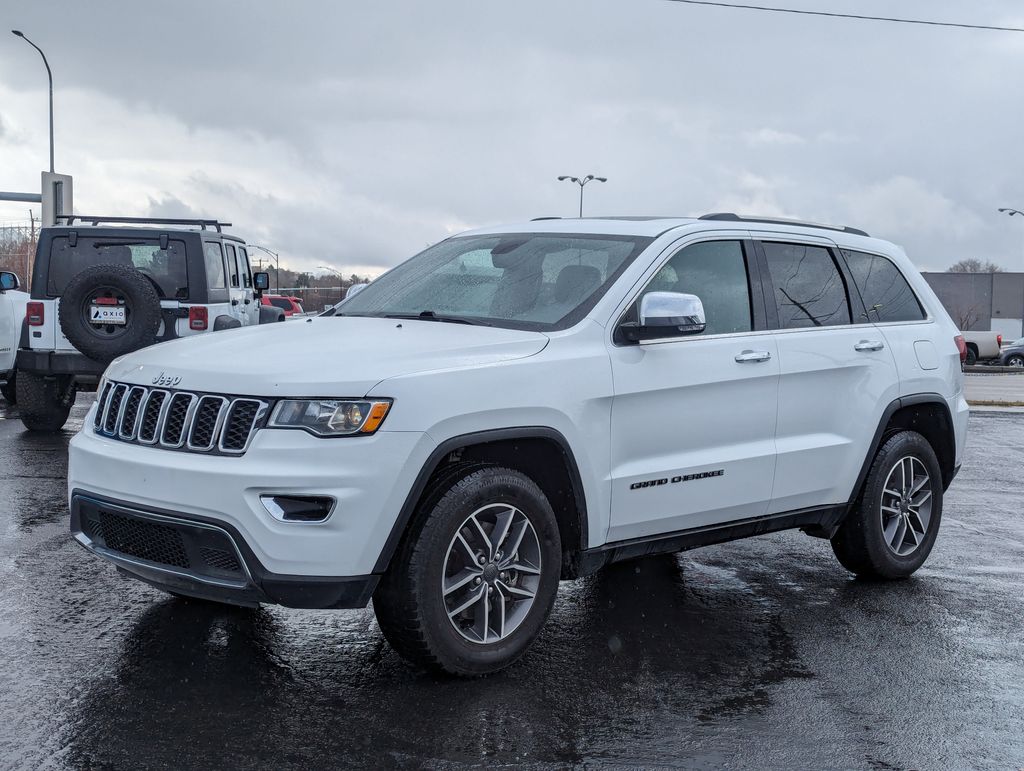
(521, 281)
(165, 268)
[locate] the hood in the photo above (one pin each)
(329, 356)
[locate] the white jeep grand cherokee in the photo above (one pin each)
(519, 405)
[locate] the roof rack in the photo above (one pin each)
(96, 220)
(730, 217)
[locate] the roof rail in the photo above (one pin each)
(538, 219)
(730, 217)
(96, 220)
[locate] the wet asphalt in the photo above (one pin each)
(761, 653)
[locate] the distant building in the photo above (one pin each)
(982, 301)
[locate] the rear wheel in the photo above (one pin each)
(474, 582)
(972, 356)
(891, 531)
(44, 403)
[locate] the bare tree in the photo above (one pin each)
(965, 315)
(974, 265)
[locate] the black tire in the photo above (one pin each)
(10, 388)
(104, 343)
(860, 544)
(409, 603)
(972, 356)
(1016, 360)
(44, 403)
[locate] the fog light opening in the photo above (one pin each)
(298, 508)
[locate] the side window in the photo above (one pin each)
(808, 287)
(716, 272)
(233, 266)
(214, 265)
(243, 259)
(886, 293)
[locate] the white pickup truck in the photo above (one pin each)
(12, 312)
(982, 345)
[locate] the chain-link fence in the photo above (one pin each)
(18, 249)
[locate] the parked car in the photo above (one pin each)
(289, 304)
(521, 405)
(106, 286)
(982, 346)
(1012, 355)
(12, 311)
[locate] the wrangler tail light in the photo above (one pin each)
(198, 317)
(961, 346)
(35, 314)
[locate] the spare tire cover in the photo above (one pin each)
(107, 311)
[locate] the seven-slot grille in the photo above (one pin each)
(178, 420)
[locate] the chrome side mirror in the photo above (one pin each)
(355, 289)
(666, 314)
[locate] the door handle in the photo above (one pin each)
(234, 302)
(248, 301)
(746, 356)
(869, 345)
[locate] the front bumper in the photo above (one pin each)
(200, 558)
(368, 478)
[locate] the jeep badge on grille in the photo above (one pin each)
(166, 380)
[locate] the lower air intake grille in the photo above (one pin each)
(144, 540)
(164, 541)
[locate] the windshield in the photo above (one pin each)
(521, 281)
(165, 268)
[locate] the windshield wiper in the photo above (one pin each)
(431, 316)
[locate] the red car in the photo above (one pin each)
(290, 305)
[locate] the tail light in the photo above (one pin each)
(961, 346)
(999, 340)
(35, 314)
(198, 317)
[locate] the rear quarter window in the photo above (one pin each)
(216, 278)
(886, 293)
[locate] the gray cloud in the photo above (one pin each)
(355, 134)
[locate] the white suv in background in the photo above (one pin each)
(519, 405)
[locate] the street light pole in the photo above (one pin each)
(1013, 213)
(582, 182)
(277, 264)
(335, 271)
(49, 74)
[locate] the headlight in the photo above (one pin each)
(331, 417)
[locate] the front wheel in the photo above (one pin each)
(474, 581)
(893, 527)
(1017, 360)
(44, 403)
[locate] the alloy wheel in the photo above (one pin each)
(491, 573)
(906, 506)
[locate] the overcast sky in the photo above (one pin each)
(354, 134)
